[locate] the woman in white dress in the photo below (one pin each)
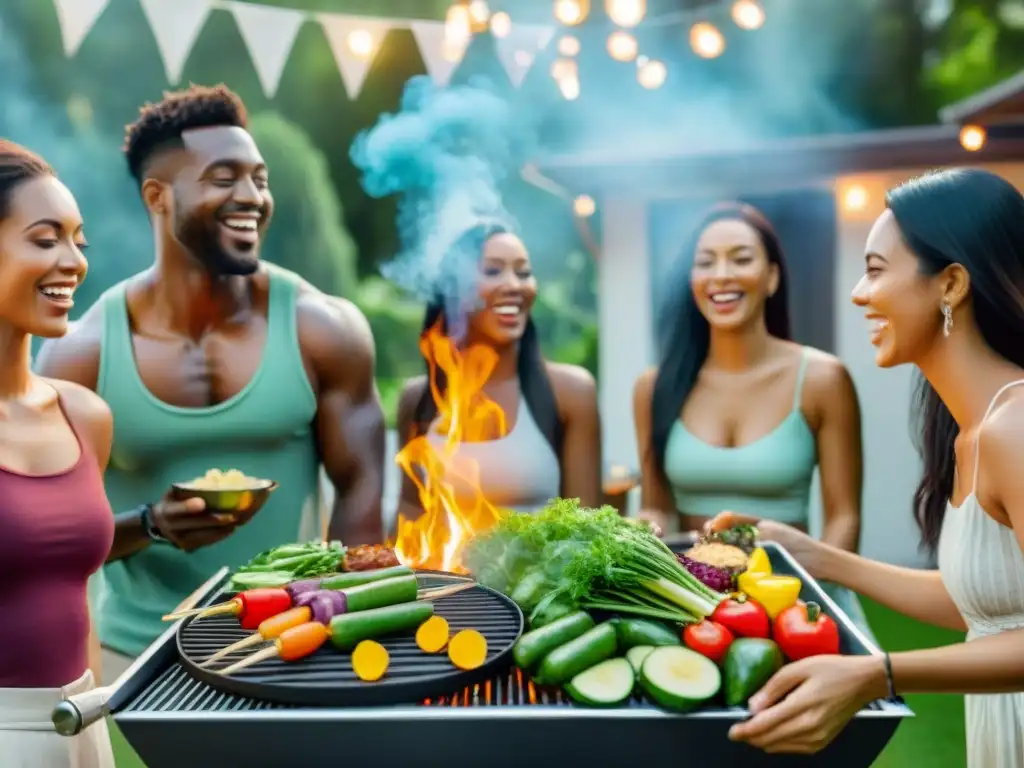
(944, 290)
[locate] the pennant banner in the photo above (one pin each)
(520, 47)
(354, 41)
(175, 26)
(76, 19)
(269, 33)
(441, 53)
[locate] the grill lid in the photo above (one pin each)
(327, 679)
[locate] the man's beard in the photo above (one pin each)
(204, 244)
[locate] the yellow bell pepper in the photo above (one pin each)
(774, 593)
(758, 562)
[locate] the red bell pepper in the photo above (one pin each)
(708, 638)
(252, 607)
(743, 617)
(803, 630)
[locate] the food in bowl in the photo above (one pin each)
(230, 480)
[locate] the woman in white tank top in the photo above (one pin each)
(552, 444)
(944, 290)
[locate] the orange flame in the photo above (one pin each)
(454, 506)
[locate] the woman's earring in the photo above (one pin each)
(947, 319)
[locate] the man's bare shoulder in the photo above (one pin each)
(75, 356)
(331, 323)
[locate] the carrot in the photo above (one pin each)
(275, 626)
(432, 635)
(468, 649)
(370, 660)
(299, 642)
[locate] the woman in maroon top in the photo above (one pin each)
(56, 527)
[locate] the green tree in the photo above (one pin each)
(307, 234)
(979, 44)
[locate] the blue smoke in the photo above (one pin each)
(446, 153)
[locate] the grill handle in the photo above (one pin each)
(78, 712)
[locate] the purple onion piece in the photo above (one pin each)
(323, 604)
(297, 588)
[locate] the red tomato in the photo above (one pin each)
(803, 630)
(743, 617)
(709, 638)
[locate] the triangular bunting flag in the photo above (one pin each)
(519, 48)
(354, 41)
(440, 54)
(76, 18)
(269, 34)
(176, 25)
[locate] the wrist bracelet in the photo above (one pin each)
(148, 526)
(888, 678)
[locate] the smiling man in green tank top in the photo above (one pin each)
(211, 358)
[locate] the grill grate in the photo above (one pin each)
(327, 677)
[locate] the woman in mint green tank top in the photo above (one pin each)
(552, 444)
(737, 416)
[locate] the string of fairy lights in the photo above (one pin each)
(467, 17)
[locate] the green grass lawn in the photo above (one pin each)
(934, 738)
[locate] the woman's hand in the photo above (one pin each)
(807, 703)
(805, 549)
(656, 519)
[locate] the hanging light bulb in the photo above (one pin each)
(479, 12)
(706, 41)
(360, 43)
(622, 46)
(564, 69)
(855, 198)
(584, 206)
(652, 74)
(501, 24)
(458, 26)
(748, 14)
(568, 45)
(625, 13)
(570, 88)
(972, 137)
(572, 12)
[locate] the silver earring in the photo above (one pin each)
(947, 319)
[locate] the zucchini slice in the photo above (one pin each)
(678, 678)
(637, 654)
(603, 685)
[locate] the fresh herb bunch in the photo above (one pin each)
(281, 565)
(591, 558)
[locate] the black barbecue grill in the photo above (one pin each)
(173, 719)
(327, 678)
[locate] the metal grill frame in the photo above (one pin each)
(204, 727)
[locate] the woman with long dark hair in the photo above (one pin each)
(737, 416)
(552, 446)
(943, 290)
(56, 527)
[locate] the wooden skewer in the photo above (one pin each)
(248, 661)
(435, 593)
(246, 642)
(222, 609)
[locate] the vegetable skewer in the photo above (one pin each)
(321, 607)
(296, 588)
(345, 632)
(318, 606)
